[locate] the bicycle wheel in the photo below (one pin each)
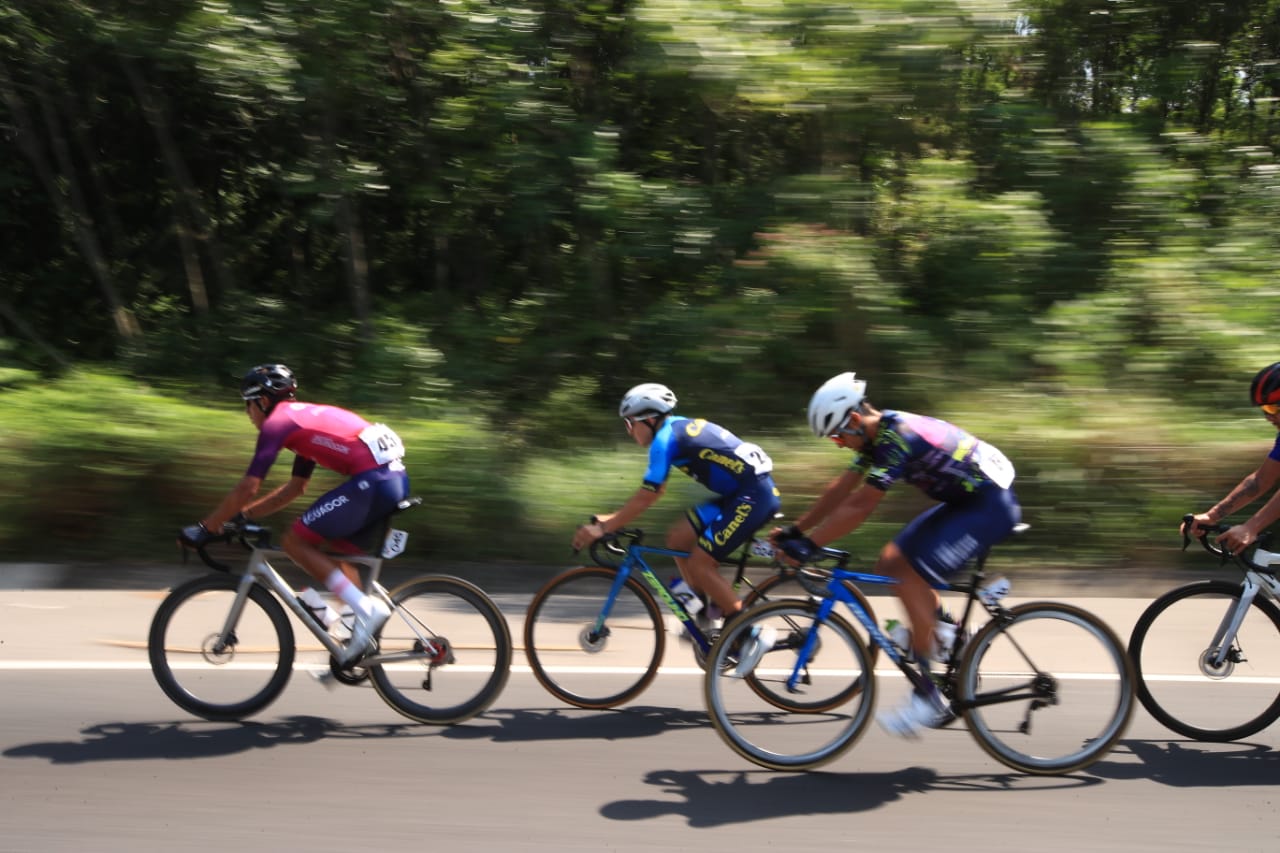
(773, 736)
(216, 675)
(784, 585)
(445, 653)
(585, 665)
(1172, 647)
(1046, 688)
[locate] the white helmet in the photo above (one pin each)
(647, 399)
(833, 402)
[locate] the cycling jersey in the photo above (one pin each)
(942, 460)
(1275, 450)
(708, 453)
(339, 440)
(342, 441)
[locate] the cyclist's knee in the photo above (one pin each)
(681, 536)
(893, 562)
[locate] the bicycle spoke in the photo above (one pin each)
(786, 738)
(1203, 690)
(1047, 691)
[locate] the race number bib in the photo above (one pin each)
(394, 544)
(754, 456)
(994, 464)
(383, 443)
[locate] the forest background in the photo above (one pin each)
(1053, 222)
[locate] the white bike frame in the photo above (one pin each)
(1255, 582)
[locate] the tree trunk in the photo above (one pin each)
(203, 232)
(70, 204)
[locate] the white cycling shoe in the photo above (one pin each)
(916, 713)
(753, 647)
(364, 630)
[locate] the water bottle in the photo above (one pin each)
(993, 590)
(944, 635)
(900, 634)
(684, 594)
(320, 611)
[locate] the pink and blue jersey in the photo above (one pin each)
(324, 435)
(369, 454)
(942, 460)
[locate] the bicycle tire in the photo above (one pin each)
(449, 609)
(572, 662)
(1024, 639)
(784, 584)
(1158, 682)
(185, 628)
(776, 737)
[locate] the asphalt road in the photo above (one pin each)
(94, 757)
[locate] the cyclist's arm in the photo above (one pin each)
(836, 492)
(1246, 492)
(234, 502)
(1250, 488)
(632, 509)
(278, 498)
(848, 516)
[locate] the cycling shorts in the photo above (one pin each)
(940, 540)
(725, 524)
(348, 516)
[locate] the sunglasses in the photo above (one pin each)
(1271, 408)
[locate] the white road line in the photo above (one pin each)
(107, 666)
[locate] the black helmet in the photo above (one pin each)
(1266, 386)
(270, 382)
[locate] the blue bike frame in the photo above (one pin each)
(634, 561)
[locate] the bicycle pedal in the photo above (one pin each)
(325, 678)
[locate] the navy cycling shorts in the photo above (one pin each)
(348, 515)
(726, 524)
(940, 540)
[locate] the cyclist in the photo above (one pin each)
(1264, 392)
(369, 454)
(970, 479)
(737, 471)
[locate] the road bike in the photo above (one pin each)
(222, 647)
(1008, 679)
(1213, 635)
(595, 635)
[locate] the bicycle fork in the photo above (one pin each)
(1223, 653)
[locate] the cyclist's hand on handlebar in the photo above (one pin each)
(790, 531)
(1195, 527)
(586, 534)
(236, 524)
(1237, 539)
(194, 535)
(801, 549)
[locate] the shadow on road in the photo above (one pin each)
(718, 797)
(540, 724)
(1192, 764)
(185, 740)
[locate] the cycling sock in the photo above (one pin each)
(340, 585)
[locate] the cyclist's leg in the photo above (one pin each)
(336, 518)
(712, 531)
(936, 544)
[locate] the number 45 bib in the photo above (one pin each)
(383, 443)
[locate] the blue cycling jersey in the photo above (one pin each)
(1275, 450)
(942, 460)
(708, 453)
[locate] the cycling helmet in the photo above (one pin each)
(646, 400)
(270, 382)
(833, 402)
(1266, 386)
